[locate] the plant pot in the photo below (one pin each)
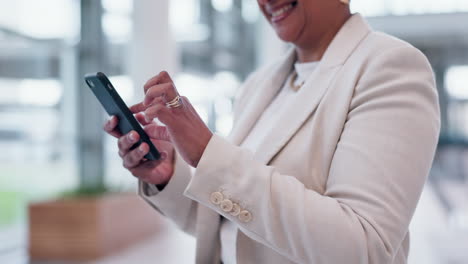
(89, 227)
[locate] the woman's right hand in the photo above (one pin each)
(155, 172)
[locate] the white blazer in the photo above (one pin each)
(339, 178)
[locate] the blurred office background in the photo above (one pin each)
(210, 46)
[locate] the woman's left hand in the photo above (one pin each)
(184, 127)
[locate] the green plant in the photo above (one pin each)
(11, 204)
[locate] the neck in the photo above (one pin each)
(314, 49)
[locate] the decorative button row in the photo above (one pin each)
(230, 207)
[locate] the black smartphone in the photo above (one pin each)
(114, 105)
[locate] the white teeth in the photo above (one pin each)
(282, 10)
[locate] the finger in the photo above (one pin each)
(126, 142)
(144, 170)
(140, 107)
(134, 157)
(154, 101)
(111, 127)
(137, 108)
(156, 111)
(165, 91)
(157, 132)
(162, 77)
(140, 117)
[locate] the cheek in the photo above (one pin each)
(292, 29)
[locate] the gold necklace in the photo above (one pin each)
(292, 80)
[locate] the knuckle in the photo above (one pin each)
(128, 141)
(155, 110)
(152, 90)
(125, 142)
(158, 109)
(140, 153)
(169, 86)
(131, 159)
(148, 94)
(148, 115)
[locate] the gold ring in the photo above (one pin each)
(176, 102)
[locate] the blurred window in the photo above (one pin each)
(41, 19)
(456, 83)
(216, 40)
(37, 158)
(407, 7)
(35, 62)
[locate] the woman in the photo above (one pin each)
(328, 156)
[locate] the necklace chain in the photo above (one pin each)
(292, 80)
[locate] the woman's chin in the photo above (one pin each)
(286, 36)
(288, 32)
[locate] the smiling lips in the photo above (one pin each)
(279, 13)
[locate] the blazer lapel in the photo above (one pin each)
(266, 89)
(310, 95)
(297, 113)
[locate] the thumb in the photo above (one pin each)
(157, 132)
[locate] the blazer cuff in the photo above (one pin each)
(174, 188)
(217, 181)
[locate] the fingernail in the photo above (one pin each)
(132, 136)
(163, 155)
(141, 148)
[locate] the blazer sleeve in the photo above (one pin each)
(170, 201)
(376, 177)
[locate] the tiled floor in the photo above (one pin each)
(167, 247)
(12, 245)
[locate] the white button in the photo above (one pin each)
(216, 197)
(245, 216)
(226, 205)
(235, 209)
